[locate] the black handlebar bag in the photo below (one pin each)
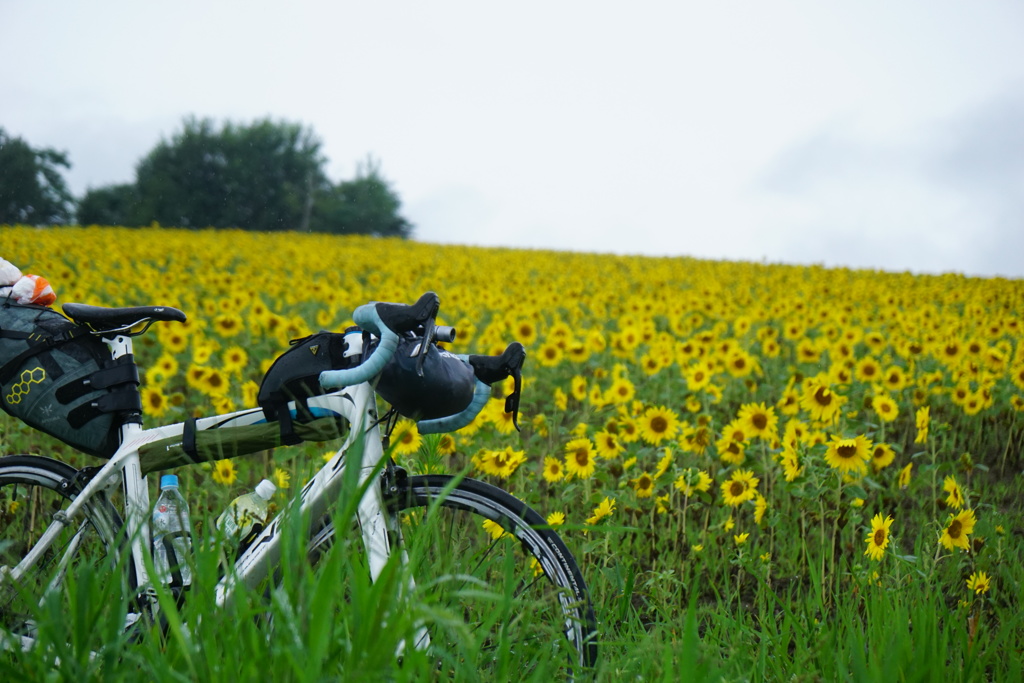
(58, 378)
(445, 387)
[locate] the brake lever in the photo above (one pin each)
(429, 331)
(515, 369)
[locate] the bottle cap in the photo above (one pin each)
(266, 489)
(168, 481)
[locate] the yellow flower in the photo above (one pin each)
(659, 423)
(224, 472)
(878, 539)
(760, 507)
(692, 480)
(553, 470)
(739, 488)
(495, 530)
(955, 499)
(604, 509)
(697, 547)
(579, 458)
(979, 582)
(820, 401)
(556, 518)
(904, 479)
(848, 455)
(882, 456)
(957, 528)
(407, 439)
(759, 420)
(922, 420)
(282, 478)
(741, 538)
(885, 407)
(643, 485)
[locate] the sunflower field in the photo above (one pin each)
(764, 471)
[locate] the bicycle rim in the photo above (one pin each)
(505, 597)
(32, 489)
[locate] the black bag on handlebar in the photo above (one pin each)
(445, 388)
(58, 378)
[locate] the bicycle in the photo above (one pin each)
(101, 514)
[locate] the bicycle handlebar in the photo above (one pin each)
(386, 321)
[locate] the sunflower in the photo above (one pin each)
(979, 582)
(407, 438)
(549, 355)
(739, 488)
(697, 376)
(759, 420)
(692, 480)
(578, 388)
(214, 383)
(556, 518)
(731, 452)
(882, 456)
(885, 407)
(224, 472)
(553, 470)
(621, 391)
(579, 458)
(878, 539)
(922, 420)
(867, 370)
(154, 403)
(904, 478)
(643, 485)
(604, 509)
(659, 423)
(957, 528)
(955, 499)
(446, 445)
(235, 359)
(760, 507)
(791, 468)
(228, 325)
(848, 455)
(820, 401)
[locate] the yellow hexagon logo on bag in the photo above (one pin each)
(24, 385)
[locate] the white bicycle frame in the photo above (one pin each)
(356, 404)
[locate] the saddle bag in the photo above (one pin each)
(58, 378)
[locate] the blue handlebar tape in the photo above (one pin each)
(452, 423)
(372, 366)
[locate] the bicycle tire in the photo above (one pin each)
(555, 621)
(32, 488)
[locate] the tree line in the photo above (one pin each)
(266, 176)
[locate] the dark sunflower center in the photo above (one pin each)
(955, 528)
(760, 420)
(823, 397)
(879, 537)
(846, 451)
(659, 424)
(582, 457)
(737, 488)
(644, 482)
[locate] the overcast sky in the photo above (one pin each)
(868, 134)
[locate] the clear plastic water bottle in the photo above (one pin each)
(172, 535)
(246, 516)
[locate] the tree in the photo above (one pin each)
(258, 177)
(111, 205)
(32, 189)
(366, 205)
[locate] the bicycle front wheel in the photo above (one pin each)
(32, 489)
(507, 595)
